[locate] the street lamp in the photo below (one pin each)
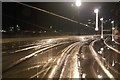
(112, 22)
(96, 11)
(78, 3)
(101, 19)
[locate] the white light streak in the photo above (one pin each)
(96, 11)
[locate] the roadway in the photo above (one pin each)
(58, 57)
(32, 58)
(107, 57)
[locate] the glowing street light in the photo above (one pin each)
(96, 11)
(78, 3)
(112, 22)
(101, 19)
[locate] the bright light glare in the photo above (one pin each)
(82, 38)
(96, 29)
(96, 11)
(108, 48)
(112, 22)
(101, 36)
(83, 56)
(49, 40)
(78, 3)
(101, 19)
(113, 64)
(99, 76)
(84, 75)
(86, 25)
(113, 39)
(113, 28)
(102, 49)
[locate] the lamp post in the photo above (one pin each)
(96, 11)
(101, 19)
(78, 4)
(112, 22)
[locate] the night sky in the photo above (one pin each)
(31, 19)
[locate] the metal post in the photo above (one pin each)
(96, 22)
(101, 28)
(112, 30)
(96, 11)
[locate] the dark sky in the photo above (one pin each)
(31, 19)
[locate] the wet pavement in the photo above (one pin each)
(109, 58)
(59, 58)
(15, 61)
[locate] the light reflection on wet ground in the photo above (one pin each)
(36, 62)
(39, 63)
(109, 58)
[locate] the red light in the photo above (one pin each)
(26, 31)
